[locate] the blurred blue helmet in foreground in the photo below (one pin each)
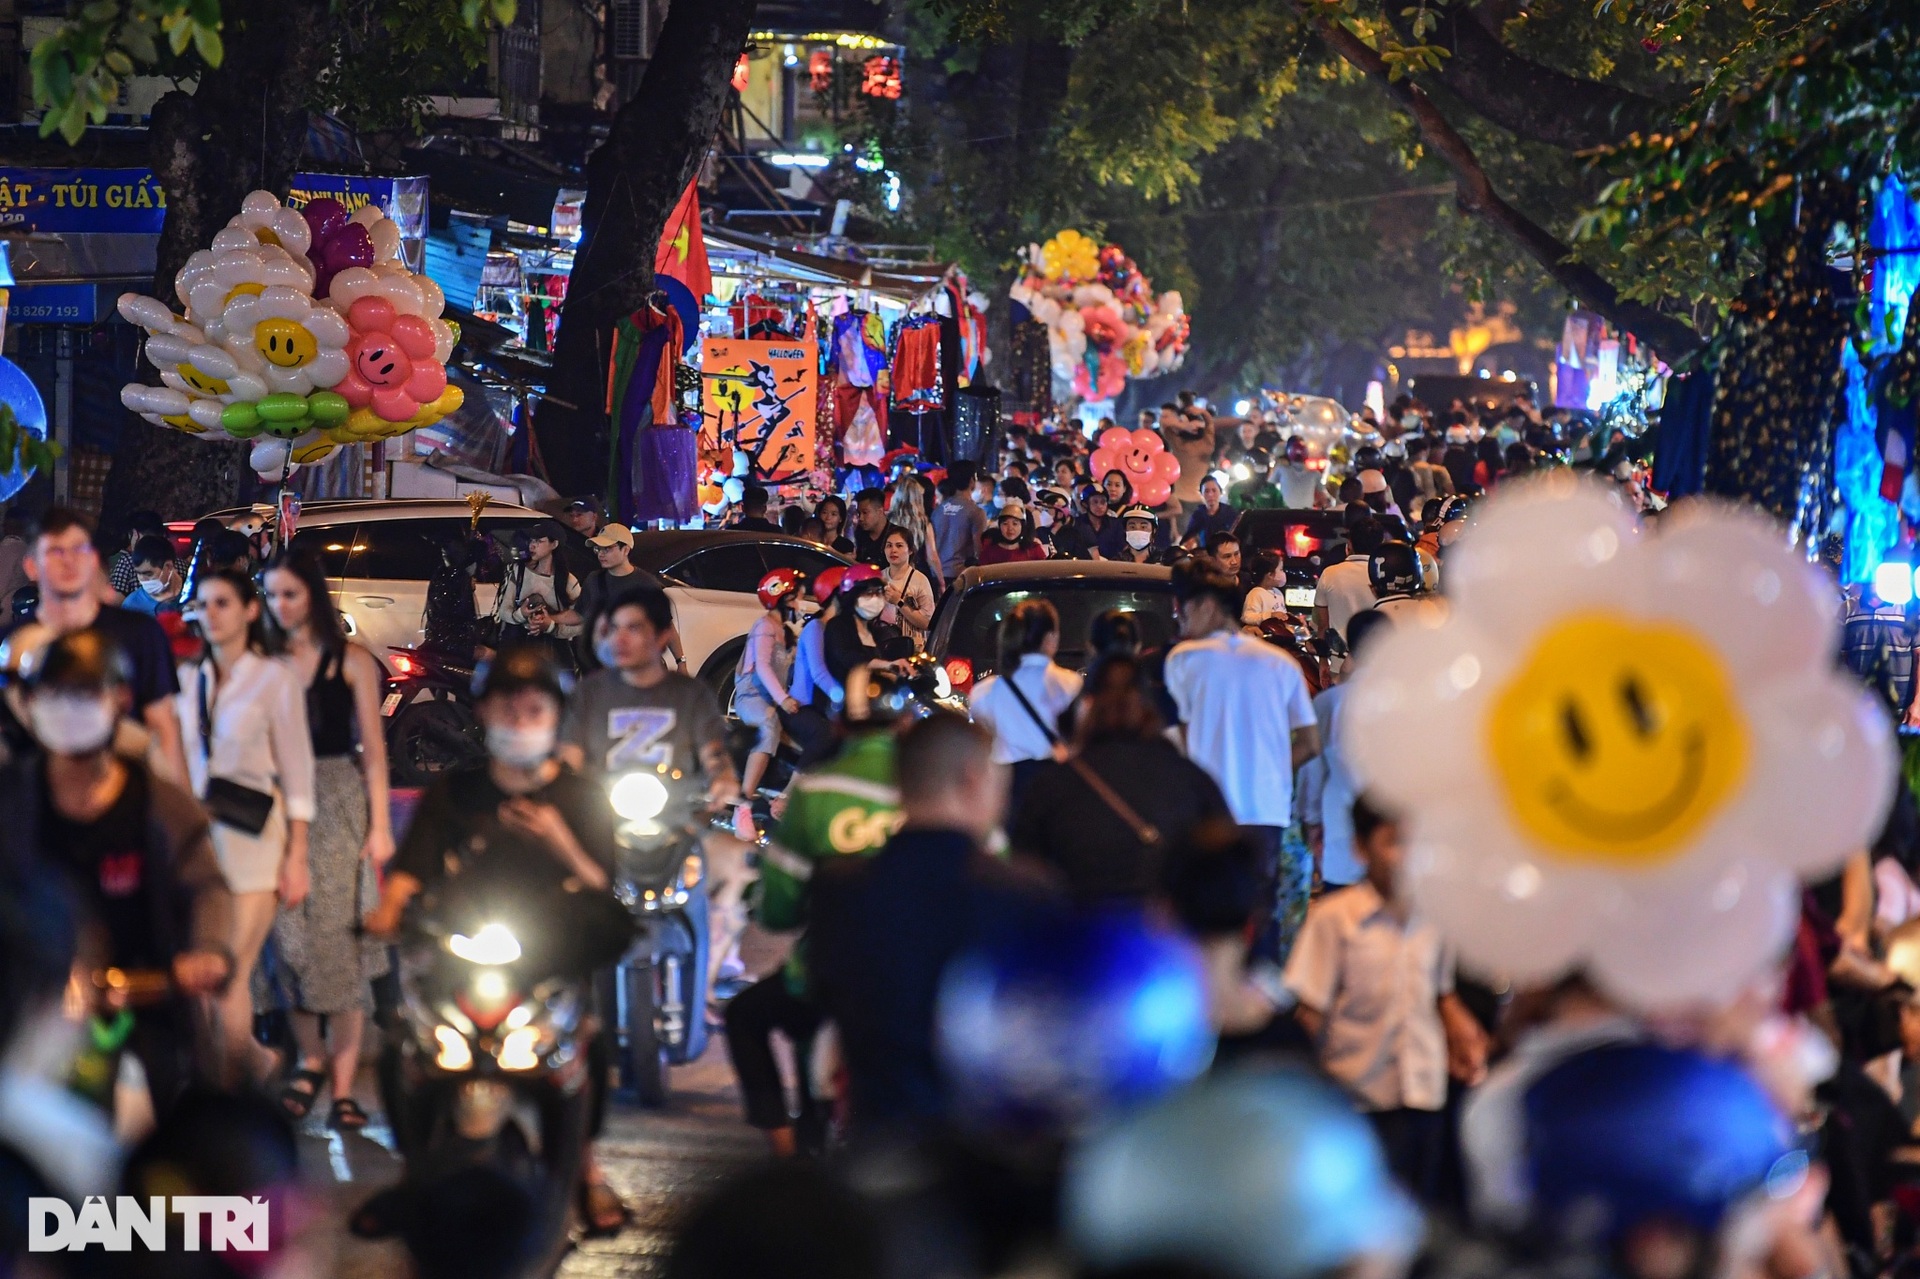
(1070, 1021)
(1630, 1133)
(1265, 1175)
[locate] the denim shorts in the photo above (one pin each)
(751, 705)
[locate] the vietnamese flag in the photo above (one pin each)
(683, 250)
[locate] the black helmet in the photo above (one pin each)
(1367, 458)
(85, 659)
(1115, 631)
(1258, 460)
(876, 697)
(1455, 508)
(1396, 569)
(517, 667)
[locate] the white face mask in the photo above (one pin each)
(520, 747)
(870, 606)
(154, 586)
(1139, 539)
(70, 724)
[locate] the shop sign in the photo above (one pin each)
(127, 201)
(761, 398)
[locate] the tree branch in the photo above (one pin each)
(1672, 337)
(1529, 100)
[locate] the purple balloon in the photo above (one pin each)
(345, 246)
(325, 215)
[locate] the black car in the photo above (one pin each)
(966, 629)
(1307, 542)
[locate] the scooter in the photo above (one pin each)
(656, 997)
(431, 725)
(489, 1066)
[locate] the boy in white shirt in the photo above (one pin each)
(1376, 997)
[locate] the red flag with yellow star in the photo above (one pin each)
(683, 249)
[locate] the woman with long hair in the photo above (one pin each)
(832, 514)
(244, 723)
(330, 964)
(908, 510)
(1089, 817)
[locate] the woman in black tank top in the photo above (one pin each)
(328, 967)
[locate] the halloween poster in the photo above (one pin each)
(760, 398)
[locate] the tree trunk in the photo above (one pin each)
(634, 179)
(241, 130)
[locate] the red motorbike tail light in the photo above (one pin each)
(960, 674)
(404, 665)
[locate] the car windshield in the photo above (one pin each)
(976, 626)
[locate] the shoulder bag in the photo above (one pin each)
(227, 801)
(1053, 738)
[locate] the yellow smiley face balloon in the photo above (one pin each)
(1617, 740)
(204, 383)
(284, 343)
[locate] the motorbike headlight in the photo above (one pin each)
(494, 944)
(639, 797)
(942, 682)
(520, 1050)
(454, 1053)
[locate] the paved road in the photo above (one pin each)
(660, 1162)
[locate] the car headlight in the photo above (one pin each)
(454, 1053)
(639, 797)
(494, 944)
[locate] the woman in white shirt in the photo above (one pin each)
(244, 723)
(909, 591)
(1023, 703)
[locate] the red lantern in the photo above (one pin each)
(820, 70)
(881, 77)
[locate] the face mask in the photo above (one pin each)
(1139, 539)
(68, 725)
(871, 606)
(1410, 421)
(153, 586)
(603, 652)
(520, 747)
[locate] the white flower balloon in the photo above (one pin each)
(300, 345)
(268, 221)
(1620, 753)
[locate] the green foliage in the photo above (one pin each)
(393, 54)
(389, 54)
(22, 449)
(79, 72)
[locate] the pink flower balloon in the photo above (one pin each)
(1142, 457)
(391, 368)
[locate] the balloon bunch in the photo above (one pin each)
(303, 329)
(1142, 457)
(1104, 323)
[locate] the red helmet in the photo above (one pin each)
(778, 585)
(856, 576)
(827, 582)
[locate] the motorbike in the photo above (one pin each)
(655, 999)
(489, 1065)
(431, 725)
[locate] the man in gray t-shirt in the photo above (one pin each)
(619, 726)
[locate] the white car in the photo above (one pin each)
(379, 556)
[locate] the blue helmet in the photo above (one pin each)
(1070, 1021)
(1265, 1175)
(1623, 1134)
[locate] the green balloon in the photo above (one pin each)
(284, 406)
(328, 408)
(241, 421)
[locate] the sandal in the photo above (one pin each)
(347, 1115)
(603, 1212)
(296, 1101)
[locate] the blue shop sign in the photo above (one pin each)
(128, 201)
(54, 304)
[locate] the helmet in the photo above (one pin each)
(1139, 511)
(1397, 569)
(518, 667)
(1266, 1175)
(1071, 1020)
(82, 659)
(1627, 1132)
(780, 584)
(860, 578)
(1367, 458)
(826, 582)
(1455, 508)
(876, 697)
(1258, 460)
